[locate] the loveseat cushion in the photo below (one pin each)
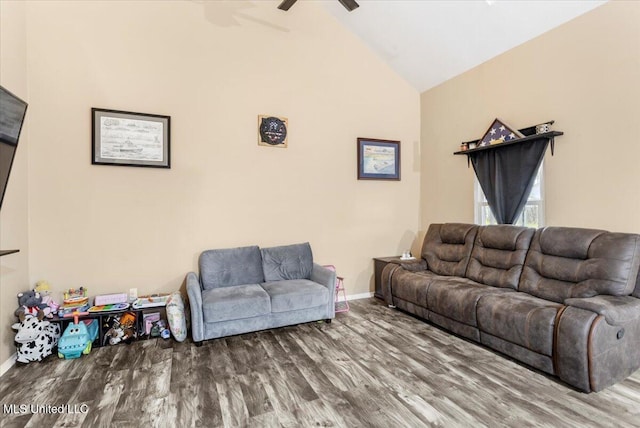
(230, 266)
(456, 298)
(447, 248)
(287, 262)
(520, 319)
(294, 294)
(499, 254)
(231, 303)
(566, 262)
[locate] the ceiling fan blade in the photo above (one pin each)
(286, 4)
(350, 5)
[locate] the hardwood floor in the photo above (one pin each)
(372, 367)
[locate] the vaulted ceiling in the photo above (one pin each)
(430, 41)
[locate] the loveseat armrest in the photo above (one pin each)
(194, 291)
(323, 276)
(616, 310)
(417, 265)
(326, 277)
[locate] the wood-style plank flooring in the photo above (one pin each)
(371, 367)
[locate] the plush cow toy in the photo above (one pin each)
(35, 338)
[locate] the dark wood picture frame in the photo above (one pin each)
(126, 138)
(378, 159)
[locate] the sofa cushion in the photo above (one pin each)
(231, 303)
(519, 318)
(412, 286)
(568, 262)
(294, 294)
(230, 266)
(456, 298)
(287, 262)
(447, 248)
(499, 254)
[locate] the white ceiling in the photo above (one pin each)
(430, 41)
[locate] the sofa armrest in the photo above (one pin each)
(386, 278)
(616, 310)
(417, 265)
(194, 292)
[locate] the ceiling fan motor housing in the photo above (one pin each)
(350, 5)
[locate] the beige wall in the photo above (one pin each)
(583, 74)
(213, 71)
(14, 275)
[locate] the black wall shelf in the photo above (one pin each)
(6, 252)
(544, 136)
(529, 135)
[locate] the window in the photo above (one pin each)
(533, 213)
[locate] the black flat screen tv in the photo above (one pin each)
(12, 113)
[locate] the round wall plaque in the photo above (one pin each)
(272, 131)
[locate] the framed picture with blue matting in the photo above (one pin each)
(378, 159)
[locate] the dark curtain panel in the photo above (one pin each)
(506, 175)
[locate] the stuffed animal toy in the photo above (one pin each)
(129, 335)
(30, 302)
(110, 325)
(128, 326)
(35, 337)
(42, 287)
(115, 336)
(159, 329)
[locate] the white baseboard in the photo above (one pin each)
(357, 296)
(8, 364)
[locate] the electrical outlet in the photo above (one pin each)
(133, 294)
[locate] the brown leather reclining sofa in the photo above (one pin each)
(563, 300)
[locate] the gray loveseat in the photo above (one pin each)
(248, 289)
(563, 300)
